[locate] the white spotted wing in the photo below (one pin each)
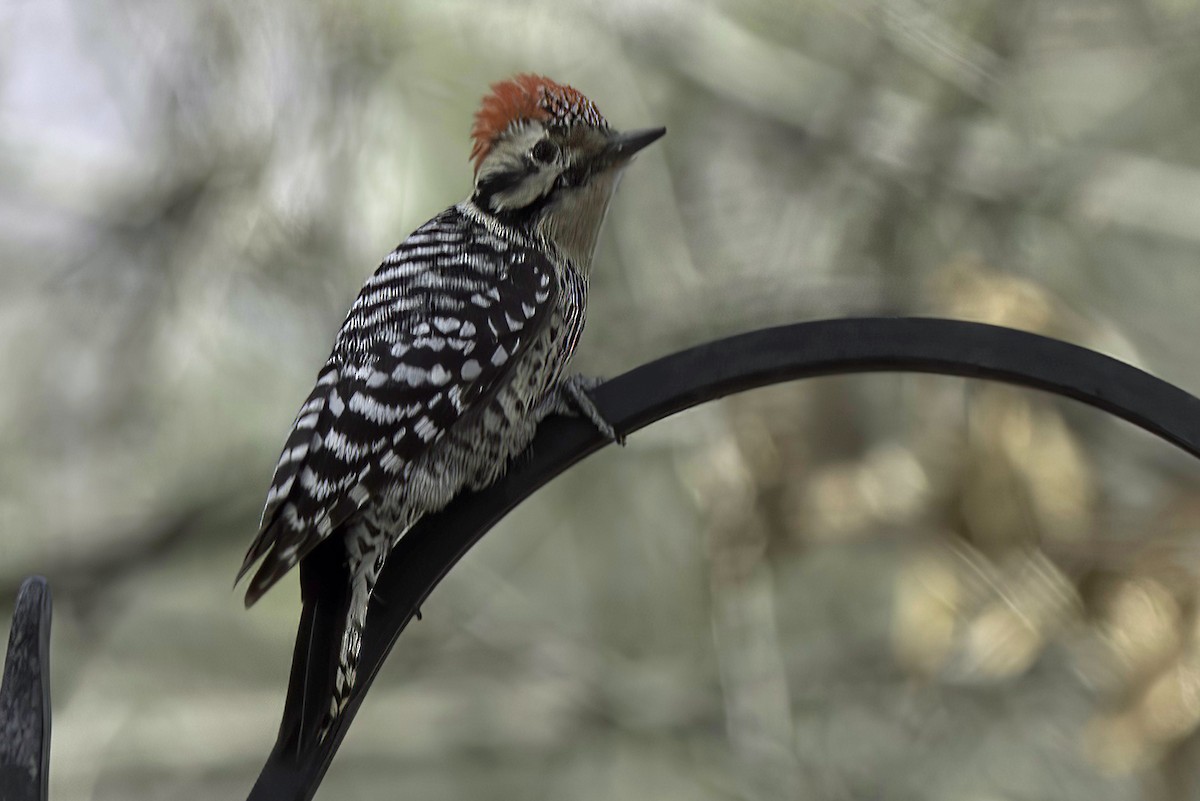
(432, 336)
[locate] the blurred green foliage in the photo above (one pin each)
(858, 588)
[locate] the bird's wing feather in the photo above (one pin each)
(432, 336)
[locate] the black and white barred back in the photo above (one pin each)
(447, 361)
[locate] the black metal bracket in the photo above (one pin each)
(643, 396)
(25, 697)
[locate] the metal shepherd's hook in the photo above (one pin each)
(25, 697)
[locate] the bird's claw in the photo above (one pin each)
(576, 390)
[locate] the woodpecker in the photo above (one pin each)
(454, 350)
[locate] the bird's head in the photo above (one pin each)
(546, 159)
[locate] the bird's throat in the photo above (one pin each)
(572, 223)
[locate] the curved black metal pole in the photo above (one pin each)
(638, 398)
(25, 697)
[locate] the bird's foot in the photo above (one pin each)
(575, 398)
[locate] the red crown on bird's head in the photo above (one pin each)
(529, 97)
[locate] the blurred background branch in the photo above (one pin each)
(191, 195)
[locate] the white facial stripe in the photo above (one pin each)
(511, 154)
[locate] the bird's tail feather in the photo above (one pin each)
(367, 550)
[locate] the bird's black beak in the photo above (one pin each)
(622, 146)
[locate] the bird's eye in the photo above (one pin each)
(544, 151)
